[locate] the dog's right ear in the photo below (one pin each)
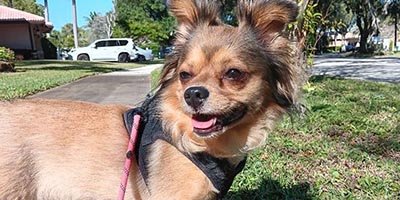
(192, 13)
(189, 14)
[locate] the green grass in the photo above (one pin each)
(347, 146)
(154, 77)
(34, 76)
(390, 55)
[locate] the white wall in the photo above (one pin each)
(15, 36)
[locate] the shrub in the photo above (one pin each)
(6, 54)
(310, 62)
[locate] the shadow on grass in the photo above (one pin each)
(388, 148)
(156, 61)
(272, 189)
(92, 67)
(27, 63)
(388, 57)
(38, 63)
(384, 146)
(322, 78)
(88, 68)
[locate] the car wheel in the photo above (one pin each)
(141, 58)
(123, 57)
(84, 57)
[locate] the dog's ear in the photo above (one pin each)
(266, 17)
(189, 14)
(193, 13)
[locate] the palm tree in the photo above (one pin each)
(92, 17)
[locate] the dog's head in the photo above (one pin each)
(222, 84)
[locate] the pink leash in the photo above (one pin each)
(129, 154)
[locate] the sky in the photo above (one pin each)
(60, 11)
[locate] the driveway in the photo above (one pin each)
(122, 87)
(373, 69)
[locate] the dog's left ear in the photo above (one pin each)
(193, 13)
(267, 17)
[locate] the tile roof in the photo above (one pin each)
(11, 14)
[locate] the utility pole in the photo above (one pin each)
(46, 11)
(75, 23)
(46, 15)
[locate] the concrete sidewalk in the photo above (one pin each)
(122, 87)
(372, 69)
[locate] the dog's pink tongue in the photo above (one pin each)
(203, 124)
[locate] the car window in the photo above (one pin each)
(112, 43)
(101, 44)
(123, 42)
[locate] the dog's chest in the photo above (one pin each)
(171, 173)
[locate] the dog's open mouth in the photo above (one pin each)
(205, 125)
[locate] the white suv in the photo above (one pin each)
(114, 49)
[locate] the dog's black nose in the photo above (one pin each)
(195, 96)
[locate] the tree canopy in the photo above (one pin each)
(30, 6)
(146, 21)
(366, 14)
(65, 37)
(339, 16)
(100, 26)
(150, 24)
(392, 10)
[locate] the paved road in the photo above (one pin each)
(123, 87)
(373, 69)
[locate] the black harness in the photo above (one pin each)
(220, 171)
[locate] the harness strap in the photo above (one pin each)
(219, 170)
(129, 154)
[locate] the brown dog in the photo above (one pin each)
(219, 90)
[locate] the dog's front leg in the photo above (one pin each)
(173, 176)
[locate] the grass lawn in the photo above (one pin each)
(34, 76)
(391, 55)
(346, 147)
(154, 77)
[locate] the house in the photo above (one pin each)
(24, 33)
(339, 40)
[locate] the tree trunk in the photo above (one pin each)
(300, 33)
(364, 42)
(10, 3)
(396, 16)
(364, 33)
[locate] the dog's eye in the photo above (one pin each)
(234, 74)
(184, 76)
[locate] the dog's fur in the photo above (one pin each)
(73, 150)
